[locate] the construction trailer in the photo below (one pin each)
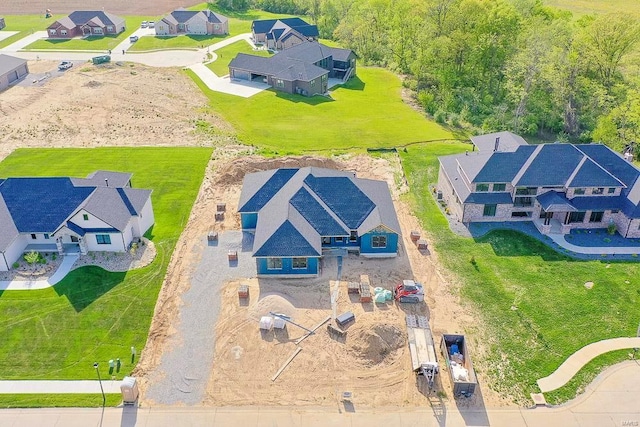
(456, 355)
(424, 360)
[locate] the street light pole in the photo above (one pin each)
(104, 399)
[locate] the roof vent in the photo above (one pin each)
(106, 181)
(495, 148)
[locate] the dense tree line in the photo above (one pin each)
(497, 64)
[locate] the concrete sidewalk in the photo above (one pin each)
(598, 250)
(27, 285)
(577, 360)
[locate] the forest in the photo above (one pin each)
(489, 65)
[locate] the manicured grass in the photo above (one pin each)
(93, 315)
(58, 400)
(553, 313)
(174, 42)
(26, 24)
(221, 65)
(92, 42)
(366, 112)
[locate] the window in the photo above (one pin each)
(97, 31)
(611, 190)
(353, 236)
(598, 191)
(578, 191)
(527, 191)
(339, 239)
(596, 216)
(33, 236)
(312, 82)
(110, 28)
(379, 242)
(489, 210)
(85, 217)
(63, 32)
(279, 83)
(576, 217)
(216, 26)
(52, 32)
(103, 239)
(614, 211)
(482, 187)
(274, 263)
(326, 240)
(299, 263)
(520, 214)
(499, 187)
(46, 236)
(523, 201)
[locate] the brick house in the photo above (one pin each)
(86, 23)
(279, 34)
(182, 21)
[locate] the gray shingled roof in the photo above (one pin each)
(10, 63)
(182, 16)
(508, 141)
(80, 17)
(97, 179)
(107, 205)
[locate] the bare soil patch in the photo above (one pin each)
(128, 105)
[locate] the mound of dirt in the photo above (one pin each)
(375, 344)
(274, 303)
(233, 173)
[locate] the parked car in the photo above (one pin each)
(133, 39)
(144, 24)
(151, 24)
(65, 65)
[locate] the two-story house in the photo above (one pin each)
(557, 186)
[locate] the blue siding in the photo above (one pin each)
(312, 267)
(367, 241)
(249, 220)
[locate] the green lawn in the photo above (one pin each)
(174, 42)
(92, 42)
(25, 24)
(94, 315)
(366, 112)
(556, 315)
(221, 65)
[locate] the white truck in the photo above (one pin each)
(421, 347)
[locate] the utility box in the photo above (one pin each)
(101, 59)
(129, 389)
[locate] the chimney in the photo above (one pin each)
(495, 148)
(106, 181)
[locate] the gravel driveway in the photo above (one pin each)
(185, 367)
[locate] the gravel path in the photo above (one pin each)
(185, 367)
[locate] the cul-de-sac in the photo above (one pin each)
(320, 212)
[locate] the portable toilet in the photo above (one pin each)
(129, 389)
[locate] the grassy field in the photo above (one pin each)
(58, 400)
(92, 42)
(554, 314)
(174, 42)
(93, 315)
(25, 24)
(366, 112)
(221, 65)
(594, 7)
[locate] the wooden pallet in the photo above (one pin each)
(243, 291)
(365, 293)
(353, 287)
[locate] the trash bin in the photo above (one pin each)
(129, 389)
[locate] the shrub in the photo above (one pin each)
(611, 228)
(440, 116)
(31, 257)
(15, 265)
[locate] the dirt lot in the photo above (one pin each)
(87, 107)
(114, 105)
(123, 7)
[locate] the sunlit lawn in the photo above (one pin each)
(221, 65)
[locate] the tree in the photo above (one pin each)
(608, 39)
(621, 126)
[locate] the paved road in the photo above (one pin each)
(611, 401)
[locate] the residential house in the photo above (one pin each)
(279, 34)
(98, 213)
(297, 215)
(303, 69)
(12, 69)
(2, 23)
(86, 23)
(557, 186)
(182, 21)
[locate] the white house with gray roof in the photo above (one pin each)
(559, 187)
(61, 214)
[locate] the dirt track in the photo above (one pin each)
(122, 7)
